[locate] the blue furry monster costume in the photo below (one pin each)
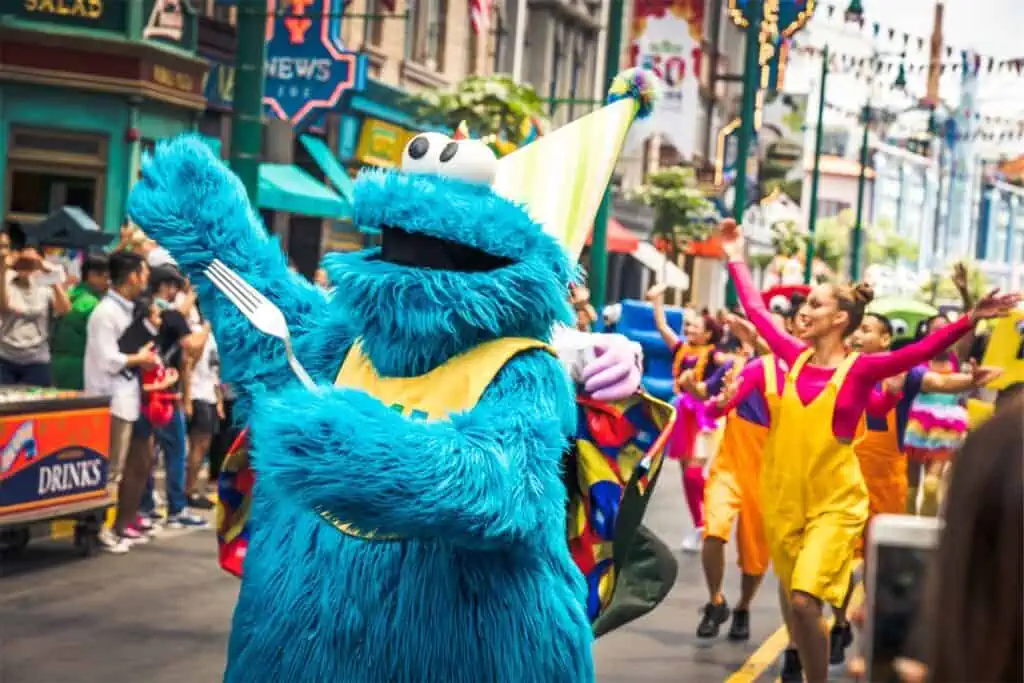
(469, 578)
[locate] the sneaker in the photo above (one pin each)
(147, 526)
(113, 543)
(713, 618)
(740, 627)
(200, 502)
(792, 669)
(134, 536)
(840, 638)
(187, 520)
(693, 542)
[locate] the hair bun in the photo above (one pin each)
(864, 292)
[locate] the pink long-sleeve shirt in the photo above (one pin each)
(868, 370)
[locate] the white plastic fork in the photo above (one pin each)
(264, 315)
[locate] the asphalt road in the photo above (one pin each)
(161, 614)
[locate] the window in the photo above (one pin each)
(373, 24)
(827, 208)
(48, 169)
(428, 19)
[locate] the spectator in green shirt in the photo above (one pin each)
(67, 344)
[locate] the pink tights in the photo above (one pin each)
(693, 490)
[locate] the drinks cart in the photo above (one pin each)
(54, 449)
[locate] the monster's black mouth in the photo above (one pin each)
(405, 248)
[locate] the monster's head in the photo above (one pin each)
(469, 250)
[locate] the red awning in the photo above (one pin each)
(620, 239)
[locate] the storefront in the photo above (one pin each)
(83, 88)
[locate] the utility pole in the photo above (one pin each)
(599, 248)
(247, 107)
(751, 85)
(858, 226)
(812, 220)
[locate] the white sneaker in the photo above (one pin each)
(187, 520)
(692, 543)
(113, 543)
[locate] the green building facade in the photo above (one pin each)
(85, 87)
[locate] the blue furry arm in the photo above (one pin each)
(192, 205)
(491, 476)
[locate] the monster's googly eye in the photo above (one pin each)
(469, 160)
(422, 154)
(779, 304)
(900, 328)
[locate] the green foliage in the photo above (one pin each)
(490, 105)
(792, 188)
(940, 289)
(886, 247)
(682, 214)
(832, 239)
(787, 239)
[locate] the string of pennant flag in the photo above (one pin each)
(1011, 130)
(907, 43)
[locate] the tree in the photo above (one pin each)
(886, 247)
(682, 214)
(493, 107)
(787, 239)
(941, 288)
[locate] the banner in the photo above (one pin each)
(666, 39)
(308, 68)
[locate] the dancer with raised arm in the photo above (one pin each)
(813, 495)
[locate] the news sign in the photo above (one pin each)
(307, 66)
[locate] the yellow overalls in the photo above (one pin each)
(452, 387)
(813, 496)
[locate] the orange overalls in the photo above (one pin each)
(732, 494)
(883, 465)
(813, 496)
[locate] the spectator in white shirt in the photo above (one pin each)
(110, 372)
(27, 307)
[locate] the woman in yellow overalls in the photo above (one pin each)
(813, 496)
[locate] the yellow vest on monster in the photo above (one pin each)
(455, 386)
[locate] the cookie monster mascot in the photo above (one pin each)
(411, 509)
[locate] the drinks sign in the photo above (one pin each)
(308, 68)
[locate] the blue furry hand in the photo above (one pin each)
(489, 476)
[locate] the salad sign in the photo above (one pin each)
(307, 66)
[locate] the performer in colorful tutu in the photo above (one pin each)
(813, 496)
(691, 442)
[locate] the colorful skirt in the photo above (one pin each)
(935, 431)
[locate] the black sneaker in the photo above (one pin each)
(712, 619)
(840, 639)
(200, 502)
(792, 669)
(740, 627)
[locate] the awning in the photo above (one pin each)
(330, 165)
(621, 240)
(664, 270)
(284, 187)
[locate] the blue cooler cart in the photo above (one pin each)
(637, 323)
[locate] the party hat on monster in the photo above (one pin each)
(562, 176)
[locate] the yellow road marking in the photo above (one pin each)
(772, 648)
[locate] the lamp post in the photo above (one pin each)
(812, 219)
(748, 106)
(599, 249)
(858, 226)
(247, 106)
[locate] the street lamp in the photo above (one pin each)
(901, 76)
